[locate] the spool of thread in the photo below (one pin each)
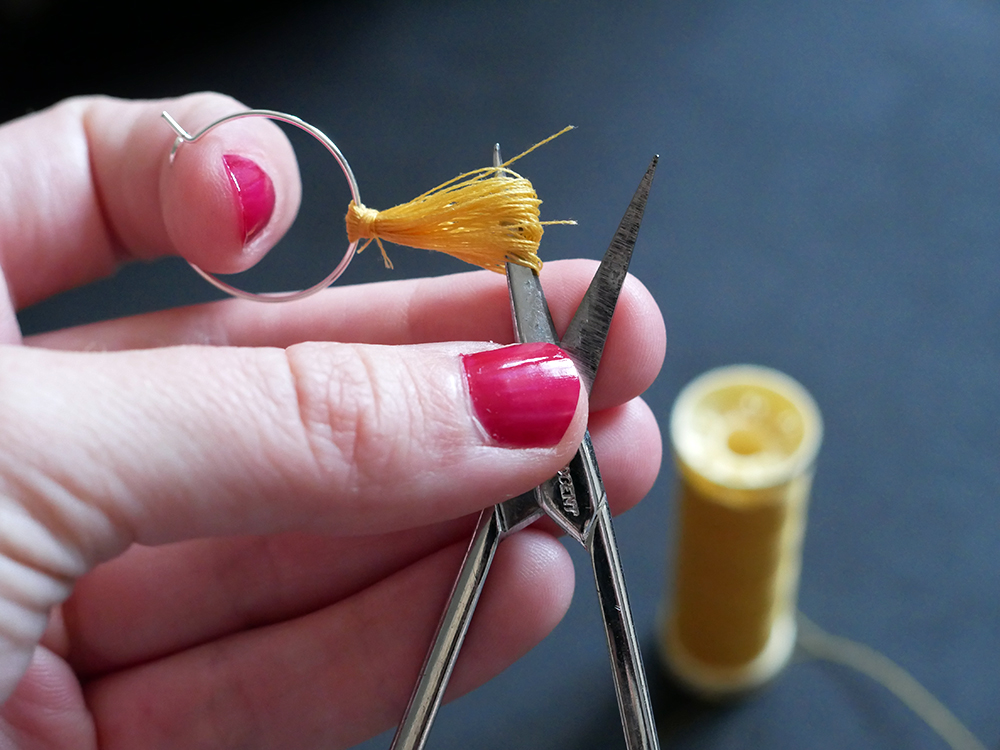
(745, 440)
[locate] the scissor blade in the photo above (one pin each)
(532, 320)
(529, 310)
(585, 336)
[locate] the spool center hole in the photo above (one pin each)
(745, 442)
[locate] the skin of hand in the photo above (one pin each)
(235, 524)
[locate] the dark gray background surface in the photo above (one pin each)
(827, 203)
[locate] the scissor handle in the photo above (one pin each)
(623, 645)
(441, 657)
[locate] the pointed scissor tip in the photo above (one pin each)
(650, 171)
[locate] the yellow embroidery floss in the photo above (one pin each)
(486, 217)
(745, 440)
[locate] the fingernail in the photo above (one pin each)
(254, 193)
(524, 396)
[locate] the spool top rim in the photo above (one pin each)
(745, 427)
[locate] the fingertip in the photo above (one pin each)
(95, 187)
(531, 588)
(629, 447)
(635, 348)
(637, 340)
(640, 309)
(547, 577)
(527, 396)
(228, 197)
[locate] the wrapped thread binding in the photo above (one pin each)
(485, 217)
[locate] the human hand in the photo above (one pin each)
(215, 535)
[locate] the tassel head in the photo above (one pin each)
(487, 217)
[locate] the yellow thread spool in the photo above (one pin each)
(745, 440)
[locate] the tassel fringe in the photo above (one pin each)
(486, 217)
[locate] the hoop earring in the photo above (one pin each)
(184, 137)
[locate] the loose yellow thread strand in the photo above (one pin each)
(537, 145)
(474, 217)
(822, 645)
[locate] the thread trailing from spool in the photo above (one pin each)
(486, 217)
(745, 440)
(819, 644)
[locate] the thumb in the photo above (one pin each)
(105, 449)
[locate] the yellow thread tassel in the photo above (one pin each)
(486, 217)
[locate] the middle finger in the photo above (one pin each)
(469, 306)
(154, 601)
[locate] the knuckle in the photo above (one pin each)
(368, 416)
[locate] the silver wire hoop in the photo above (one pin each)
(184, 137)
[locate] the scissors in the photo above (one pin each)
(575, 499)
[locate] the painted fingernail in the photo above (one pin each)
(524, 396)
(254, 193)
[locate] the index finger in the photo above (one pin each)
(90, 185)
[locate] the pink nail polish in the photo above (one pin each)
(254, 193)
(525, 396)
